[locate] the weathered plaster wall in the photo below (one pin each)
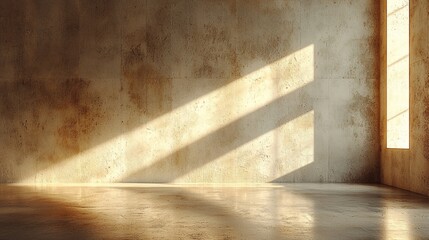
(189, 91)
(409, 168)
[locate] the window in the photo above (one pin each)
(397, 84)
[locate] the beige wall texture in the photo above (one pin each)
(409, 168)
(189, 91)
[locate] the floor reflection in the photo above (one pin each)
(290, 211)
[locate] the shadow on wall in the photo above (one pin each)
(156, 90)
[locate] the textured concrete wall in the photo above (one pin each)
(189, 91)
(409, 168)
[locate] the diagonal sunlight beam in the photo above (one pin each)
(206, 107)
(249, 122)
(177, 166)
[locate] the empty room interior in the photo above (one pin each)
(214, 119)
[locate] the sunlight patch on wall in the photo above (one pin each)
(398, 74)
(259, 157)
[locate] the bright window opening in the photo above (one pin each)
(398, 74)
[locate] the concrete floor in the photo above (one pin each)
(291, 211)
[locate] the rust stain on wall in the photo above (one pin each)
(146, 83)
(31, 107)
(148, 90)
(84, 110)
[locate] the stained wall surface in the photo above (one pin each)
(409, 168)
(189, 91)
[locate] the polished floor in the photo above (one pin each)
(290, 211)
